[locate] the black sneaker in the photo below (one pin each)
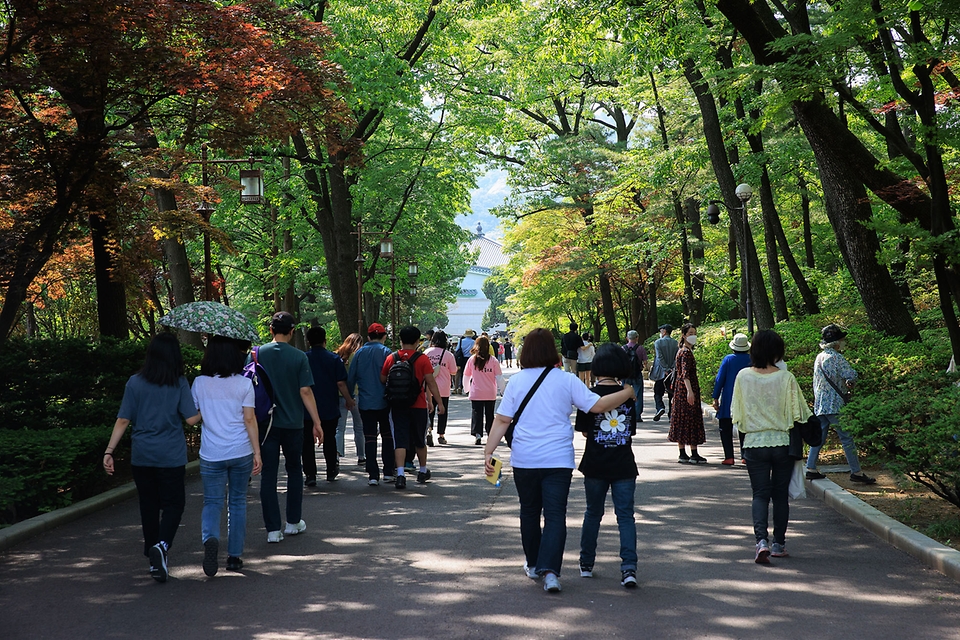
(862, 478)
(158, 562)
(429, 439)
(684, 458)
(628, 579)
(210, 550)
(696, 458)
(423, 476)
(234, 564)
(478, 440)
(815, 475)
(441, 440)
(311, 481)
(401, 482)
(658, 415)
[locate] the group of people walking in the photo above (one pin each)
(399, 395)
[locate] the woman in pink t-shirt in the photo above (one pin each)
(480, 377)
(444, 367)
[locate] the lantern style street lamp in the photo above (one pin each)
(252, 182)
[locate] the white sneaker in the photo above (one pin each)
(373, 482)
(275, 536)
(530, 573)
(388, 479)
(551, 583)
(294, 529)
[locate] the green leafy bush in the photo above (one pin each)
(45, 470)
(58, 403)
(913, 426)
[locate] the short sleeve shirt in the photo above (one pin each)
(608, 454)
(156, 414)
(223, 435)
(543, 437)
(327, 369)
(289, 371)
(444, 367)
(421, 368)
(483, 382)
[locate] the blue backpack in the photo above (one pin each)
(262, 394)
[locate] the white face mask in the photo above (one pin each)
(692, 339)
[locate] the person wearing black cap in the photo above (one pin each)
(292, 382)
(833, 377)
(665, 355)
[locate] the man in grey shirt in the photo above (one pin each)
(665, 356)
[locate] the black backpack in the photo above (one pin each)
(635, 365)
(403, 388)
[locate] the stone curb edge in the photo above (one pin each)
(926, 550)
(17, 533)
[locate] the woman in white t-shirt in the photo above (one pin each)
(542, 453)
(229, 447)
(444, 369)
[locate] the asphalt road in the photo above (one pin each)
(444, 561)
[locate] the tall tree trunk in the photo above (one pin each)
(724, 174)
(805, 214)
(111, 293)
(769, 212)
(846, 165)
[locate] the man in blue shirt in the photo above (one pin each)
(364, 375)
(329, 383)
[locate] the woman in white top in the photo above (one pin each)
(542, 453)
(766, 402)
(585, 359)
(229, 447)
(444, 369)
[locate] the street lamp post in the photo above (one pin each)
(386, 251)
(744, 192)
(413, 269)
(251, 193)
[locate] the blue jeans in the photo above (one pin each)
(543, 491)
(291, 442)
(357, 429)
(216, 477)
(637, 384)
(770, 469)
(846, 441)
(621, 491)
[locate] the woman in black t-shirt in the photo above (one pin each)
(608, 464)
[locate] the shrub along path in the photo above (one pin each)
(443, 560)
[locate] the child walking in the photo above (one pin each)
(608, 465)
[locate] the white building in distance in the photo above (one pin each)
(467, 312)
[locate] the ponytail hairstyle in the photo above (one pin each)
(481, 351)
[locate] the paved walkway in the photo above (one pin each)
(443, 561)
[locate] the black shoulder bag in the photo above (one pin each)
(513, 423)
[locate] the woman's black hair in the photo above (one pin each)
(224, 357)
(767, 349)
(163, 365)
(611, 362)
(439, 339)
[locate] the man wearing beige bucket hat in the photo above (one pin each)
(730, 366)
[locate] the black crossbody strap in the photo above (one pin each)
(513, 423)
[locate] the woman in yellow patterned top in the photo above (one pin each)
(766, 403)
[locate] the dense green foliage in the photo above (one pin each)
(58, 403)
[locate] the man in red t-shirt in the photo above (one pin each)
(410, 423)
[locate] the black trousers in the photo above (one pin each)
(162, 498)
(378, 421)
(482, 418)
(330, 455)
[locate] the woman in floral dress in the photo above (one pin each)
(686, 419)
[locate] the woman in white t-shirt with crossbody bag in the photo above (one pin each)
(229, 447)
(542, 454)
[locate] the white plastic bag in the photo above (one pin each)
(798, 482)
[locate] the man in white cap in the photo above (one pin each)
(730, 366)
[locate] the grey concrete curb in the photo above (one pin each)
(27, 529)
(928, 551)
